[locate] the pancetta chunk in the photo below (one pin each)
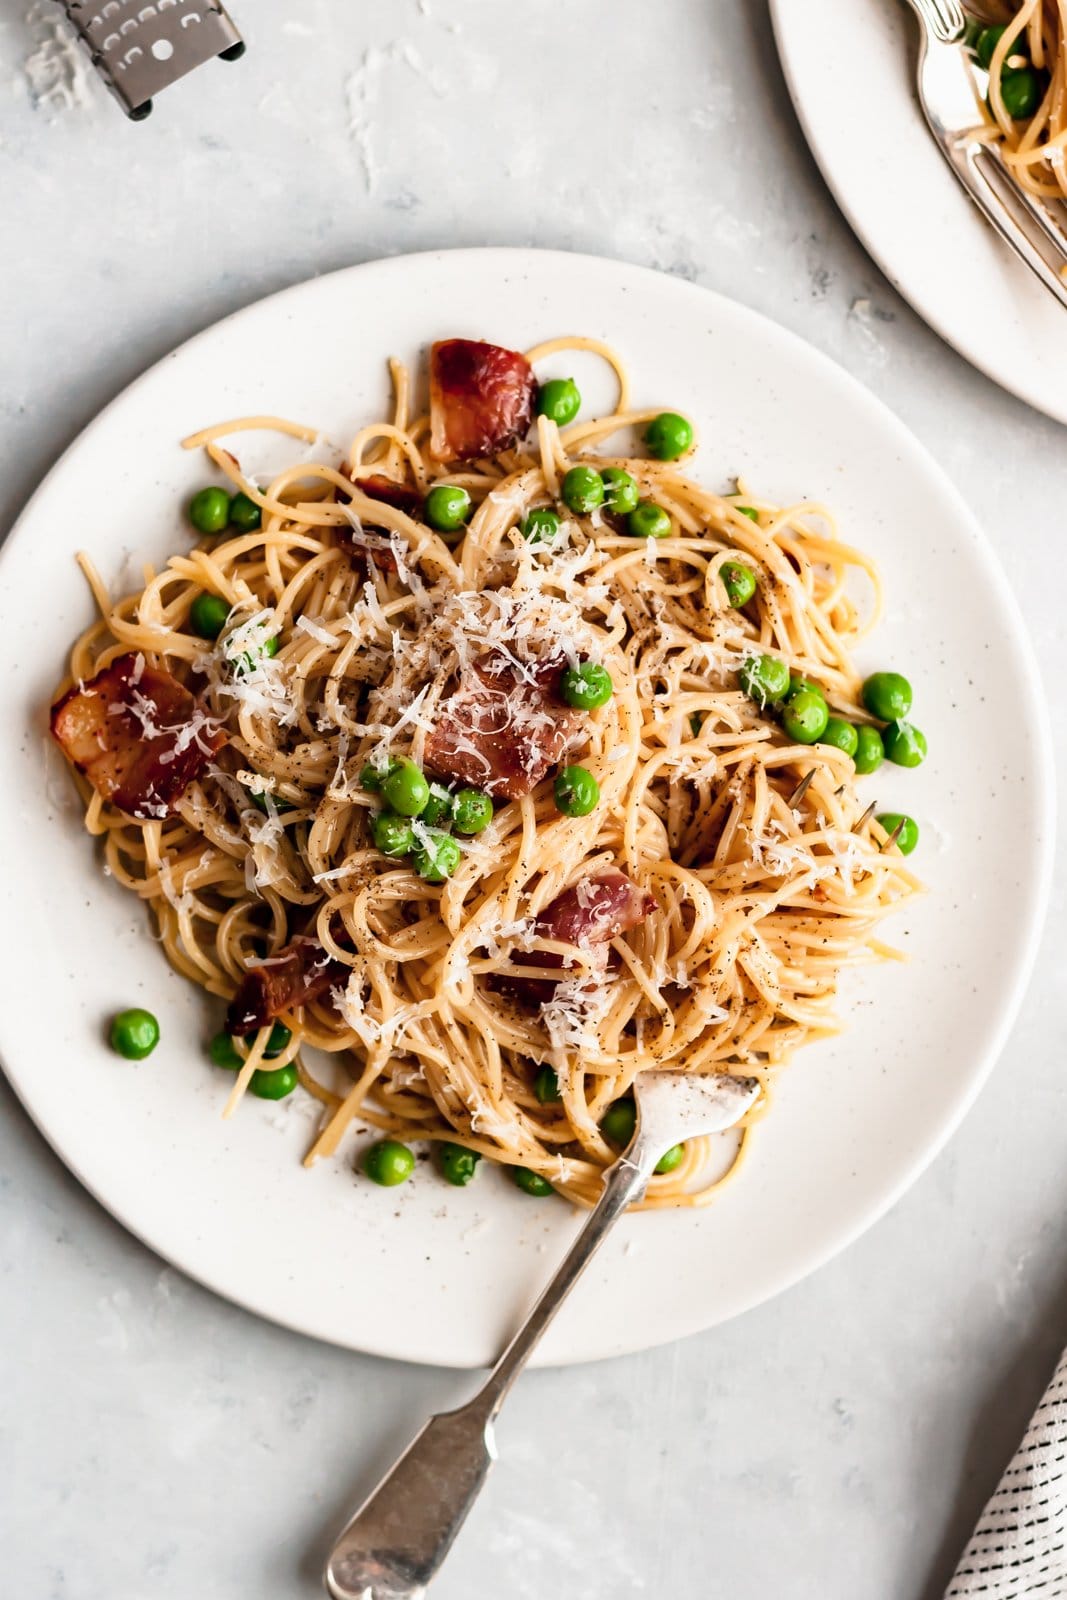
(137, 734)
(481, 399)
(300, 973)
(399, 495)
(503, 728)
(588, 915)
(595, 910)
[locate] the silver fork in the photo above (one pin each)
(946, 93)
(397, 1540)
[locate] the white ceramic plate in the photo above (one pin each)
(427, 1272)
(850, 66)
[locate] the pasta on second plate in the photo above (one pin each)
(1024, 50)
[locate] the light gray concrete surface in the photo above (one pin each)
(836, 1443)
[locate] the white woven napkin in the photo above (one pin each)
(1019, 1547)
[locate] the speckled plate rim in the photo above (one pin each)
(747, 1250)
(901, 200)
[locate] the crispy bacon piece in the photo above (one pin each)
(400, 495)
(300, 973)
(595, 910)
(386, 490)
(137, 734)
(589, 915)
(380, 554)
(502, 731)
(481, 399)
(379, 487)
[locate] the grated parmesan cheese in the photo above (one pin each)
(314, 627)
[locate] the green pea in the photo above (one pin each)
(388, 1162)
(208, 615)
(472, 810)
(577, 791)
(393, 836)
(438, 860)
(870, 751)
(541, 525)
(904, 744)
(668, 436)
(224, 1053)
(671, 1158)
(908, 837)
(274, 1085)
(438, 808)
(586, 686)
(531, 1182)
(648, 522)
(258, 798)
(209, 511)
(619, 1121)
(370, 777)
(582, 490)
(696, 722)
(764, 679)
(1020, 90)
(986, 44)
(458, 1164)
(804, 716)
(246, 663)
(796, 682)
(842, 735)
(245, 515)
(748, 511)
(447, 507)
(887, 696)
(621, 494)
(559, 400)
(740, 582)
(278, 1041)
(406, 789)
(546, 1086)
(134, 1034)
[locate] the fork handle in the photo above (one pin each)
(397, 1540)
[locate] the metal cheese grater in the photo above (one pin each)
(142, 46)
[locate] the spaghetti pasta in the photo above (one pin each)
(1027, 101)
(353, 631)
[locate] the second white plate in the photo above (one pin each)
(850, 66)
(426, 1272)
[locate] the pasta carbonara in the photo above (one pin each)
(493, 763)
